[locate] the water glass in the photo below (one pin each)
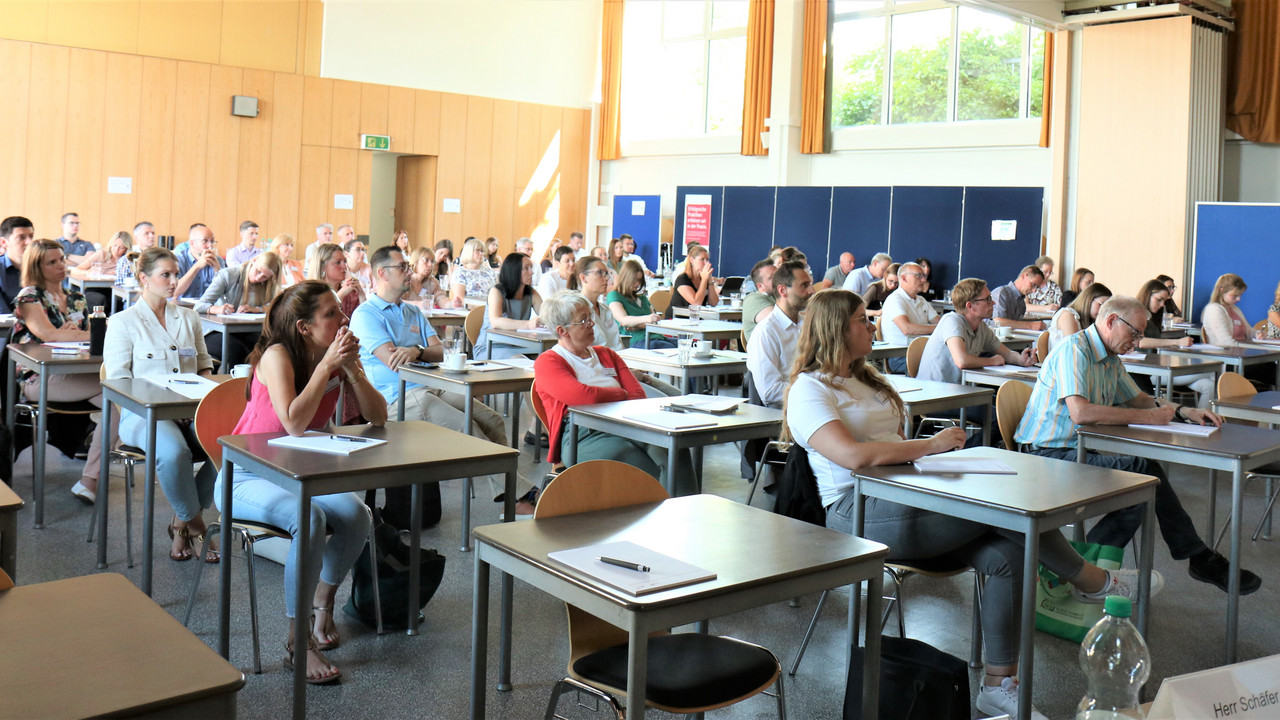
(695, 314)
(735, 301)
(685, 350)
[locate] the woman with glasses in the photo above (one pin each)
(578, 372)
(591, 278)
(1170, 307)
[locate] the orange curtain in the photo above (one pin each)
(813, 79)
(608, 143)
(758, 90)
(1046, 104)
(1253, 71)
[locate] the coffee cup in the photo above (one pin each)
(702, 349)
(455, 361)
(1004, 332)
(240, 371)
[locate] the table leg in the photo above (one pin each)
(855, 591)
(986, 426)
(415, 550)
(871, 656)
(226, 350)
(38, 449)
(571, 452)
(515, 420)
(301, 604)
(637, 669)
(224, 600)
(504, 647)
(1145, 554)
(1212, 503)
(479, 637)
(10, 409)
(1026, 670)
(104, 482)
(400, 402)
(671, 465)
(148, 501)
(467, 403)
(1233, 585)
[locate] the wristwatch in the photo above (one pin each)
(1178, 414)
(421, 352)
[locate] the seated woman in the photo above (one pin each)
(358, 262)
(473, 278)
(932, 289)
(491, 253)
(104, 261)
(401, 241)
(444, 261)
(547, 258)
(847, 416)
(331, 269)
(425, 289)
(512, 305)
(695, 284)
(245, 288)
(304, 360)
(1222, 322)
(47, 313)
(1079, 315)
(1272, 329)
(1170, 307)
(1080, 279)
(1154, 295)
(576, 373)
(631, 309)
(151, 339)
(589, 278)
(880, 290)
(290, 269)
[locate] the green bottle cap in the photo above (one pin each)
(1118, 606)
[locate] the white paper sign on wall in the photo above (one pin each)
(452, 205)
(1248, 690)
(344, 202)
(120, 185)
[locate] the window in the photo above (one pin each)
(899, 62)
(683, 68)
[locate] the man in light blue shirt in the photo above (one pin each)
(861, 278)
(73, 247)
(198, 262)
(248, 248)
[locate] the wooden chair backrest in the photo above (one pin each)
(538, 408)
(1011, 403)
(595, 485)
(660, 299)
(879, 329)
(473, 323)
(914, 352)
(1232, 384)
(218, 414)
(6, 582)
(1042, 346)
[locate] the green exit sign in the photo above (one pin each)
(375, 142)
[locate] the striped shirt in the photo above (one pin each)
(1079, 365)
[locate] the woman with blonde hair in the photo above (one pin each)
(1272, 329)
(1222, 321)
(473, 278)
(1080, 314)
(1080, 279)
(246, 288)
(425, 290)
(401, 241)
(290, 269)
(109, 256)
(631, 308)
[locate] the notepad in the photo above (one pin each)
(534, 331)
(674, 420)
(517, 361)
(68, 345)
(1203, 346)
(1011, 369)
(187, 385)
(713, 404)
(945, 464)
(1134, 356)
(326, 443)
(244, 316)
(665, 572)
(1179, 429)
(486, 366)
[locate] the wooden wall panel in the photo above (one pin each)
(400, 118)
(502, 194)
(317, 111)
(25, 20)
(314, 200)
(343, 165)
(364, 194)
(100, 25)
(451, 167)
(550, 120)
(285, 159)
(153, 184)
(524, 215)
(253, 197)
(15, 85)
(190, 146)
(345, 132)
(260, 34)
(572, 174)
(416, 204)
(47, 137)
(120, 142)
(164, 30)
(223, 153)
(426, 122)
(477, 158)
(374, 101)
(83, 183)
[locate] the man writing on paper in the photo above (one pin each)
(1083, 382)
(906, 315)
(1011, 300)
(772, 347)
(392, 333)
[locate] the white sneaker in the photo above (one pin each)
(1120, 582)
(84, 494)
(1002, 700)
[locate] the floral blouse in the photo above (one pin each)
(1270, 331)
(32, 299)
(476, 282)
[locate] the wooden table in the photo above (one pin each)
(10, 504)
(534, 342)
(85, 281)
(1045, 494)
(469, 384)
(922, 397)
(1237, 358)
(228, 327)
(1167, 367)
(416, 452)
(95, 646)
(41, 360)
(667, 362)
(127, 295)
(616, 418)
(800, 558)
(1234, 448)
(698, 330)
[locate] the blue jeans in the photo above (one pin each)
(257, 500)
(656, 342)
(188, 491)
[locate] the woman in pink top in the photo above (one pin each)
(1222, 321)
(304, 357)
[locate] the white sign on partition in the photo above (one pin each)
(1248, 690)
(637, 207)
(1004, 229)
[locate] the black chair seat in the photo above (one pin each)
(76, 407)
(132, 450)
(687, 670)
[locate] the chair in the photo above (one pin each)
(216, 416)
(6, 582)
(1011, 403)
(473, 323)
(915, 351)
(1042, 346)
(540, 411)
(1232, 384)
(660, 299)
(879, 329)
(733, 671)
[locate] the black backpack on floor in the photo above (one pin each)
(917, 682)
(393, 575)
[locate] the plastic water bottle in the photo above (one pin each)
(1116, 663)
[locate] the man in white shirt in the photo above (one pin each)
(578, 242)
(324, 236)
(860, 279)
(524, 246)
(345, 234)
(557, 278)
(629, 246)
(906, 314)
(772, 347)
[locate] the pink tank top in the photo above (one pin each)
(260, 416)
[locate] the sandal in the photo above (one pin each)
(319, 642)
(311, 645)
(182, 532)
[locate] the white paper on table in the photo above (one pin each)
(1012, 369)
(245, 316)
(1134, 356)
(326, 443)
(1203, 346)
(714, 404)
(665, 572)
(943, 464)
(68, 345)
(517, 361)
(534, 331)
(486, 366)
(1179, 428)
(674, 420)
(189, 385)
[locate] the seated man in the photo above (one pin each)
(906, 315)
(756, 306)
(392, 333)
(1084, 382)
(198, 262)
(861, 278)
(1011, 300)
(836, 274)
(772, 347)
(962, 341)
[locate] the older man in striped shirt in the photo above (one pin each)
(1083, 382)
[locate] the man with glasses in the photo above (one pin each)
(1083, 382)
(962, 341)
(392, 333)
(1011, 300)
(906, 315)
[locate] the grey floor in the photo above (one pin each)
(395, 676)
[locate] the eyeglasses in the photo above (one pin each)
(402, 267)
(988, 298)
(588, 322)
(912, 274)
(597, 271)
(1135, 332)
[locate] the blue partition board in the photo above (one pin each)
(1236, 238)
(645, 229)
(998, 262)
(802, 219)
(746, 232)
(717, 219)
(927, 223)
(859, 222)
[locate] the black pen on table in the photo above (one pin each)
(347, 439)
(624, 564)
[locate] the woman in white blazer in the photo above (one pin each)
(152, 339)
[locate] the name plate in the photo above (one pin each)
(1248, 690)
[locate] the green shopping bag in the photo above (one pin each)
(1057, 611)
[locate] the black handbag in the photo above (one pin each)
(917, 682)
(393, 575)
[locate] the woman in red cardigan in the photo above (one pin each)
(576, 373)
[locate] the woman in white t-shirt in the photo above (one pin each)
(1079, 315)
(847, 416)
